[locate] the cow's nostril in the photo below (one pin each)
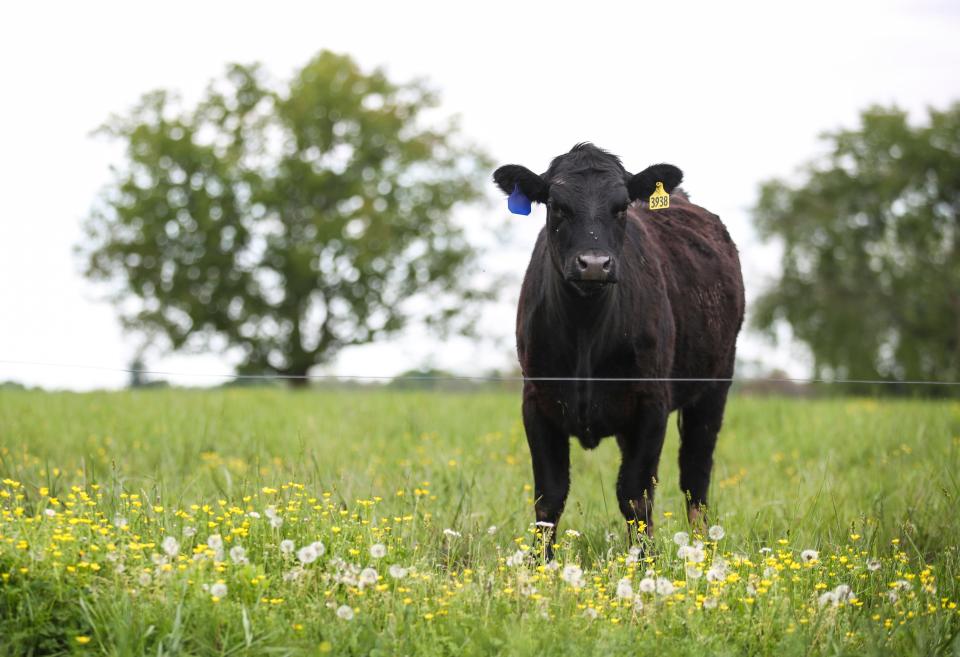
(582, 263)
(606, 264)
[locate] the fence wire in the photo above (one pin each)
(493, 378)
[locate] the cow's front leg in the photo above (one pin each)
(550, 453)
(640, 455)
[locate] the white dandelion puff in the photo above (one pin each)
(368, 577)
(624, 589)
(573, 575)
(378, 550)
(219, 590)
(809, 555)
(287, 546)
(254, 514)
(696, 554)
(270, 512)
(681, 538)
(710, 603)
(591, 613)
(397, 571)
(215, 541)
(664, 586)
(693, 572)
(238, 555)
(450, 533)
(491, 530)
(873, 565)
(50, 513)
(189, 532)
(647, 585)
(716, 533)
(276, 522)
(345, 612)
(307, 554)
(119, 522)
(319, 548)
(144, 579)
(170, 546)
(516, 559)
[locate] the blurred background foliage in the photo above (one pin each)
(287, 220)
(290, 220)
(870, 279)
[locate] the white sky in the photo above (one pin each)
(731, 92)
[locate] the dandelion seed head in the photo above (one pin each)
(307, 554)
(664, 586)
(681, 538)
(516, 559)
(368, 577)
(170, 546)
(218, 590)
(716, 532)
(287, 546)
(238, 555)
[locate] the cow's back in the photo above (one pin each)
(701, 270)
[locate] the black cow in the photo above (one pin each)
(615, 290)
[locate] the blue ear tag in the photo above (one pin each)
(517, 202)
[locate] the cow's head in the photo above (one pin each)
(586, 192)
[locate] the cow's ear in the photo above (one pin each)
(512, 176)
(641, 185)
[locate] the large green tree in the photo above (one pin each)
(870, 278)
(286, 220)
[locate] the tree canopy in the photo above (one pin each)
(870, 277)
(286, 221)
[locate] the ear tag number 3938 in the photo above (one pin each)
(659, 200)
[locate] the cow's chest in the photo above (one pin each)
(589, 410)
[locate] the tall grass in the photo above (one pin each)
(95, 482)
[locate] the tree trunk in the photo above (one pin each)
(300, 380)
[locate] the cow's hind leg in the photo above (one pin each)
(550, 454)
(699, 424)
(640, 455)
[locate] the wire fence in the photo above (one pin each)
(493, 378)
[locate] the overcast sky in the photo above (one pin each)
(731, 92)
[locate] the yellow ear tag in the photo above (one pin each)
(659, 200)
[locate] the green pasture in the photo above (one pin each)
(439, 486)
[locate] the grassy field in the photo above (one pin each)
(191, 522)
